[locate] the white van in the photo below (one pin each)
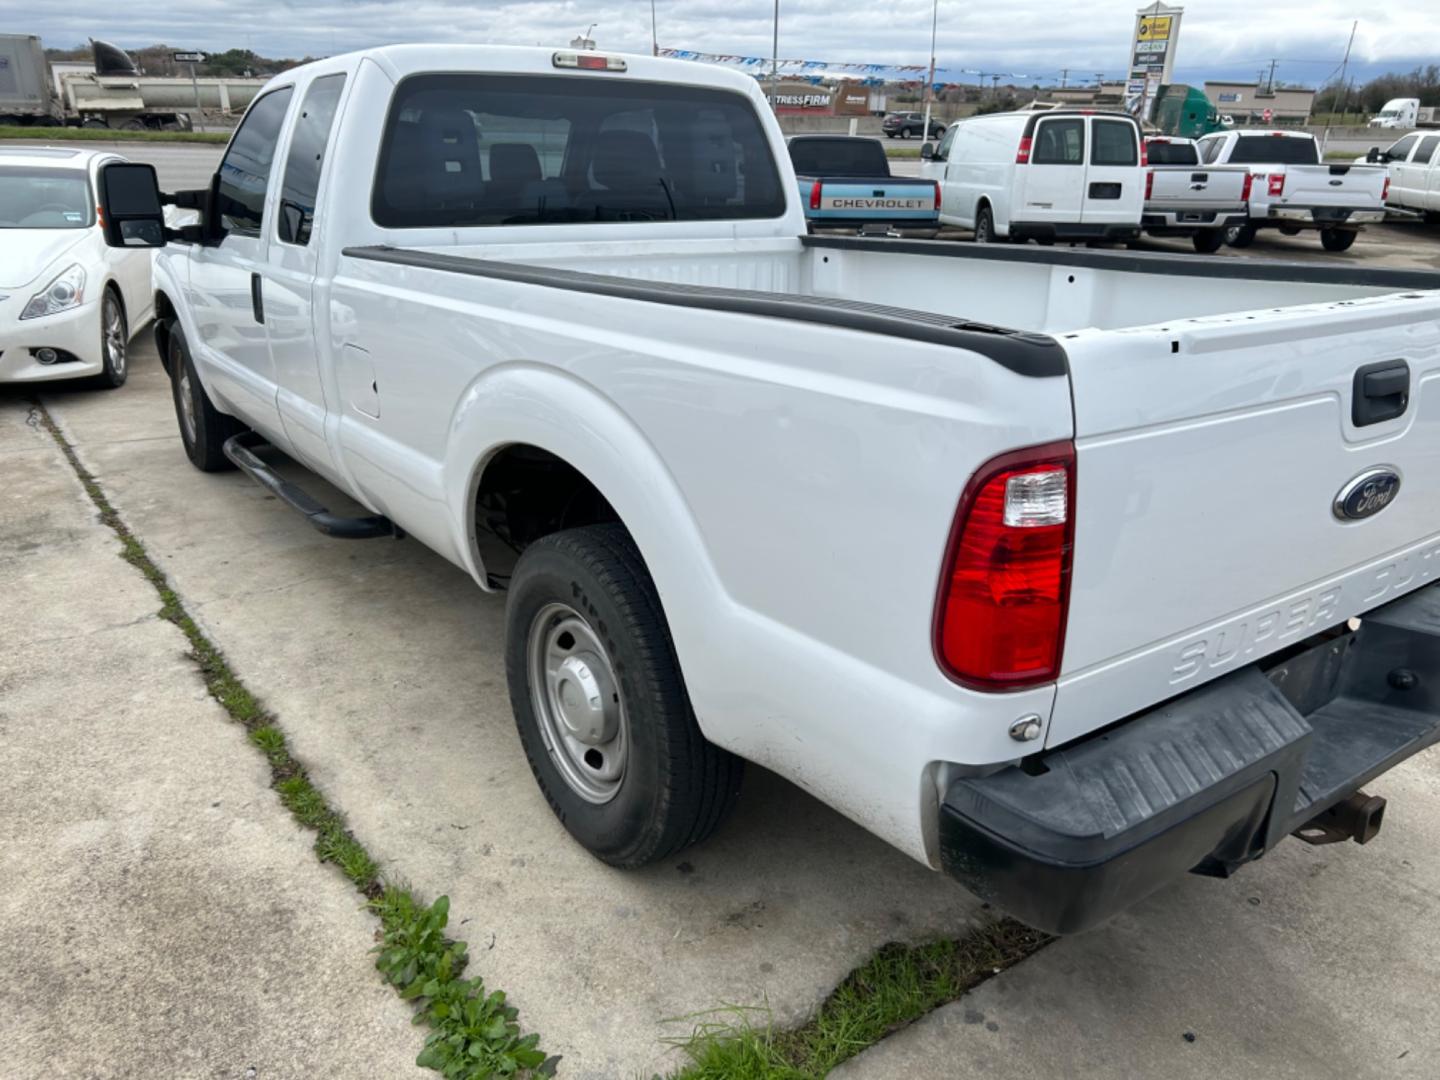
(1067, 174)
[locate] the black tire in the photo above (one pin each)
(1337, 239)
(206, 428)
(985, 227)
(114, 341)
(133, 124)
(676, 788)
(95, 123)
(1240, 236)
(1208, 241)
(889, 134)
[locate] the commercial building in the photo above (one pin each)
(1247, 102)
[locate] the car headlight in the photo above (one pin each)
(66, 291)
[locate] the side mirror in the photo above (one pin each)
(1373, 155)
(927, 151)
(130, 205)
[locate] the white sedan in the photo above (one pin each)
(69, 304)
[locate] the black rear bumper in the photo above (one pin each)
(1205, 782)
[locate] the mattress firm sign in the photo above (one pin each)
(1152, 57)
(811, 99)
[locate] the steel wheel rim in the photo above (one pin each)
(577, 703)
(187, 407)
(114, 330)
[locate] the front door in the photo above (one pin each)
(290, 273)
(1114, 192)
(1052, 183)
(226, 296)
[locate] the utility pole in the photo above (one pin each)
(930, 83)
(654, 38)
(1344, 89)
(1270, 83)
(1064, 73)
(775, 58)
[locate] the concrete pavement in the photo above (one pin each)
(162, 914)
(383, 664)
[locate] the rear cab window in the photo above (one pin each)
(1274, 150)
(464, 149)
(1426, 149)
(306, 156)
(839, 157)
(1171, 153)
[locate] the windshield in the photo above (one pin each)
(542, 149)
(839, 157)
(1274, 150)
(36, 198)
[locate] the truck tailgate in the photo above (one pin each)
(1179, 187)
(885, 199)
(1332, 185)
(1210, 457)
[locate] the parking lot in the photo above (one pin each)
(382, 662)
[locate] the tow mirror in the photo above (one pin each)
(1374, 155)
(927, 152)
(130, 205)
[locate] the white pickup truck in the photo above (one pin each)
(1293, 190)
(1185, 198)
(1062, 571)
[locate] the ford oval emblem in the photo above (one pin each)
(1368, 494)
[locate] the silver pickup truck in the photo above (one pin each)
(1185, 198)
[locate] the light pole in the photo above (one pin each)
(654, 37)
(930, 83)
(775, 58)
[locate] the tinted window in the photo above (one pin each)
(307, 154)
(839, 157)
(1059, 142)
(943, 150)
(245, 171)
(1400, 150)
(1114, 143)
(1171, 153)
(1427, 148)
(1274, 150)
(37, 198)
(542, 149)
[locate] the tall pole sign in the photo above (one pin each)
(191, 59)
(1152, 57)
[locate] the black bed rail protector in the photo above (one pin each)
(1149, 262)
(1028, 354)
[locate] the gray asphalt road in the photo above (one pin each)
(180, 166)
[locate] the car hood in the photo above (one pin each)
(29, 252)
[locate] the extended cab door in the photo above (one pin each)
(1051, 185)
(289, 285)
(226, 297)
(1114, 192)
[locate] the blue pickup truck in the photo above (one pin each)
(845, 183)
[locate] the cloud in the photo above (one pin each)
(1218, 37)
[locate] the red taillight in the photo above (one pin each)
(1149, 185)
(1245, 191)
(815, 195)
(1022, 154)
(937, 194)
(1276, 183)
(1385, 191)
(1144, 154)
(1000, 613)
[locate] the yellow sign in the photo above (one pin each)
(1154, 28)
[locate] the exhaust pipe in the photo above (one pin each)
(1358, 818)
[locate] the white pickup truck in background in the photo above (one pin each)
(1185, 198)
(1063, 571)
(1293, 190)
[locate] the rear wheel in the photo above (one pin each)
(203, 428)
(985, 226)
(600, 703)
(133, 124)
(114, 341)
(1337, 239)
(1208, 241)
(94, 122)
(1240, 236)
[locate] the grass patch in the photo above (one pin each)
(895, 987)
(902, 151)
(473, 1035)
(50, 134)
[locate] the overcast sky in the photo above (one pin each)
(1219, 38)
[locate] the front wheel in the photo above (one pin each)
(1240, 236)
(1337, 239)
(600, 703)
(114, 341)
(985, 226)
(1208, 241)
(203, 428)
